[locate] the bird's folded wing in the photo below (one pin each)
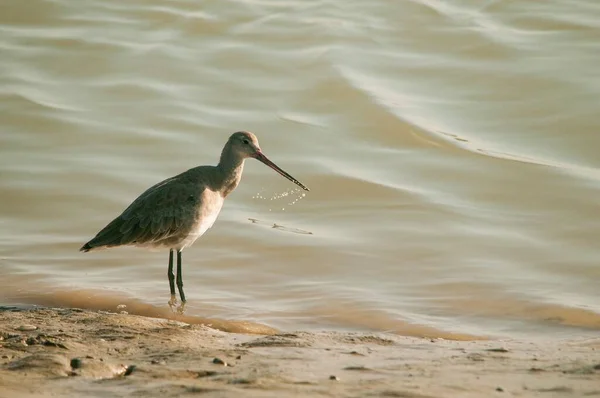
(161, 212)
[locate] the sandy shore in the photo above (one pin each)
(72, 352)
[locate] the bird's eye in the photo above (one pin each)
(246, 141)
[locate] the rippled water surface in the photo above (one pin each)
(452, 149)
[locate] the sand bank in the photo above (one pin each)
(73, 352)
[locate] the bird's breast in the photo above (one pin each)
(206, 215)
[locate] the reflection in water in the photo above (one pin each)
(280, 227)
(358, 319)
(115, 302)
(349, 315)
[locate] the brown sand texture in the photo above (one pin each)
(51, 352)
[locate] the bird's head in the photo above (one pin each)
(245, 145)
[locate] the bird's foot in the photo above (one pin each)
(173, 303)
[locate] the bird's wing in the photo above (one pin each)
(158, 213)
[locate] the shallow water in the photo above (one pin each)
(451, 148)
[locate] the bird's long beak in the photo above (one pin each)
(260, 156)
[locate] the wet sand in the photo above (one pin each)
(73, 352)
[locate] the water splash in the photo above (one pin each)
(292, 195)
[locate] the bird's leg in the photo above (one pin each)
(180, 277)
(173, 300)
(170, 274)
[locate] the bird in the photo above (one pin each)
(175, 212)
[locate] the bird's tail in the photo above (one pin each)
(86, 248)
(97, 243)
(109, 236)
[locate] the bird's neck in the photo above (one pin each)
(229, 169)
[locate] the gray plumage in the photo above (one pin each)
(162, 216)
(175, 212)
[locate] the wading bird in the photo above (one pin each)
(175, 212)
